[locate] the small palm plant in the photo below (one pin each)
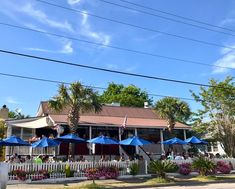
(204, 166)
(162, 167)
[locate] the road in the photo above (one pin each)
(187, 186)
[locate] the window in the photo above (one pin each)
(215, 146)
(16, 131)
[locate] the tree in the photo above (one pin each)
(2, 135)
(77, 99)
(217, 115)
(130, 96)
(173, 110)
(17, 115)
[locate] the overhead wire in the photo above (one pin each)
(166, 18)
(68, 83)
(177, 16)
(114, 47)
(136, 26)
(102, 69)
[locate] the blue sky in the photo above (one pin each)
(26, 94)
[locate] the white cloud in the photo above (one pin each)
(11, 100)
(42, 17)
(87, 31)
(227, 60)
(66, 49)
(112, 66)
(73, 2)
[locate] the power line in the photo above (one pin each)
(137, 26)
(67, 83)
(178, 16)
(103, 69)
(166, 18)
(114, 47)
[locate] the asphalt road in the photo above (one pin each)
(186, 186)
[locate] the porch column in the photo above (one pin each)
(120, 138)
(9, 133)
(161, 138)
(136, 148)
(185, 135)
(90, 137)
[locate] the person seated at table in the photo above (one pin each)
(38, 159)
(70, 158)
(179, 157)
(17, 159)
(122, 157)
(45, 159)
(81, 158)
(28, 159)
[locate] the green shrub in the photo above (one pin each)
(162, 167)
(134, 169)
(67, 170)
(204, 166)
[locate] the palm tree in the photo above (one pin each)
(77, 99)
(173, 110)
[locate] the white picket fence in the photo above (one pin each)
(57, 169)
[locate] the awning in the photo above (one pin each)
(32, 123)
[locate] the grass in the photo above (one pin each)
(86, 186)
(159, 180)
(207, 178)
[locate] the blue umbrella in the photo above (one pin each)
(14, 141)
(134, 141)
(195, 140)
(174, 141)
(1, 143)
(45, 142)
(102, 140)
(71, 138)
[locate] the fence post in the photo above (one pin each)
(4, 175)
(146, 167)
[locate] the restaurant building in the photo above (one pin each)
(143, 122)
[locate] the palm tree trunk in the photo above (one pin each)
(171, 125)
(73, 119)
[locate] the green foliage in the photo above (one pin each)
(159, 180)
(17, 115)
(77, 99)
(92, 186)
(173, 110)
(134, 169)
(67, 170)
(130, 96)
(216, 118)
(204, 166)
(2, 135)
(162, 167)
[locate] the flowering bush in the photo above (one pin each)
(21, 175)
(102, 172)
(223, 167)
(185, 168)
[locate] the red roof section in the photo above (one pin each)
(113, 116)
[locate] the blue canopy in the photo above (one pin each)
(174, 141)
(14, 141)
(71, 138)
(195, 140)
(45, 142)
(102, 140)
(1, 143)
(134, 141)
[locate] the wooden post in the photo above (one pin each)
(185, 135)
(136, 148)
(162, 145)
